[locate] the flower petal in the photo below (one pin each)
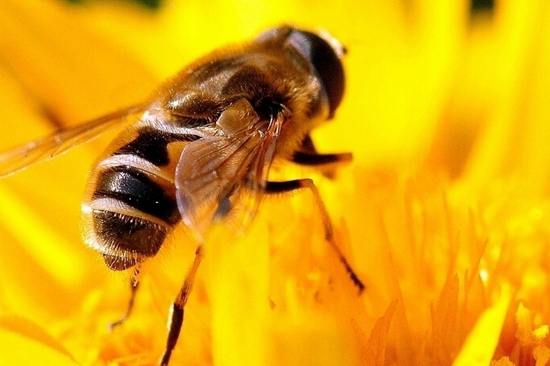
(479, 347)
(24, 343)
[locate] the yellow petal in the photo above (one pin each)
(445, 318)
(542, 355)
(68, 68)
(375, 350)
(24, 343)
(504, 361)
(479, 347)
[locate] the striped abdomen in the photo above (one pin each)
(131, 205)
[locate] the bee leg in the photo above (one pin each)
(293, 185)
(308, 155)
(134, 285)
(320, 160)
(176, 316)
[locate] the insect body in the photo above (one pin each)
(202, 149)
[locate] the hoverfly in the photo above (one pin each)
(202, 148)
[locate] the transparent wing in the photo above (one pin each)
(224, 176)
(48, 147)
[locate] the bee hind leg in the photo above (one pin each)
(177, 311)
(134, 285)
(294, 185)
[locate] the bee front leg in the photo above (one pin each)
(294, 185)
(177, 311)
(134, 285)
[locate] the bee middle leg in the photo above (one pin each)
(320, 160)
(294, 185)
(327, 163)
(134, 285)
(177, 311)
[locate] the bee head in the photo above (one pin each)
(324, 52)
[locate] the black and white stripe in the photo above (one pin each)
(132, 204)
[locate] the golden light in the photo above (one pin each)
(444, 212)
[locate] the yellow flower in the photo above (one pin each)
(444, 213)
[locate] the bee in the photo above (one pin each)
(201, 148)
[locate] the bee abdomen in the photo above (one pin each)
(151, 145)
(127, 240)
(134, 188)
(131, 211)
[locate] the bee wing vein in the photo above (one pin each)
(224, 170)
(45, 148)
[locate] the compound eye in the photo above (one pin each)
(324, 53)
